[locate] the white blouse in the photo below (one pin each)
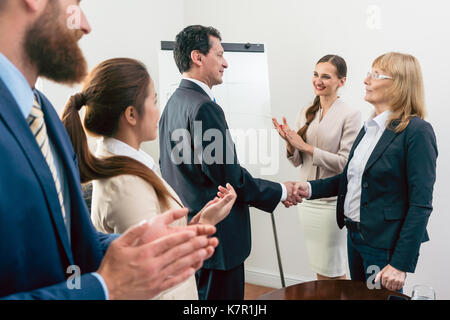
(374, 127)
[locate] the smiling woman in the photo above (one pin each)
(385, 192)
(321, 143)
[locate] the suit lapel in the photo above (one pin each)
(385, 139)
(16, 124)
(358, 139)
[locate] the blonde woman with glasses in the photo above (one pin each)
(385, 192)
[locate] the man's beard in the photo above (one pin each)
(53, 48)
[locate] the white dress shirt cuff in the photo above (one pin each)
(310, 190)
(284, 192)
(102, 282)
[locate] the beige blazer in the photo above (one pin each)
(332, 138)
(123, 201)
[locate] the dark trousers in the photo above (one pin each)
(221, 284)
(365, 261)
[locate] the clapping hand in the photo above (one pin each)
(161, 226)
(154, 256)
(281, 128)
(297, 142)
(293, 140)
(290, 136)
(217, 209)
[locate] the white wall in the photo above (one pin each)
(297, 34)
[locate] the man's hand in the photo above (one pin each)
(391, 278)
(293, 197)
(161, 226)
(301, 191)
(141, 264)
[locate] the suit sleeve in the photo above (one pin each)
(421, 174)
(219, 161)
(90, 289)
(325, 188)
(105, 240)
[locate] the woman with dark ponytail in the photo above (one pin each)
(324, 133)
(121, 110)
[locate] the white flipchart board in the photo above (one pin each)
(244, 96)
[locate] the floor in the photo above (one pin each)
(253, 291)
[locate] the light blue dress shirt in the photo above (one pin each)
(23, 94)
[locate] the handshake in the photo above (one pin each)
(296, 192)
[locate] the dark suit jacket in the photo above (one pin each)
(397, 191)
(34, 247)
(196, 181)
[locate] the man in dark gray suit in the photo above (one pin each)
(195, 174)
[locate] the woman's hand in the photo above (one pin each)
(281, 131)
(297, 142)
(281, 127)
(217, 209)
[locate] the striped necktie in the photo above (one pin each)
(37, 125)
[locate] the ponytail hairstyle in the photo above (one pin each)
(108, 90)
(310, 113)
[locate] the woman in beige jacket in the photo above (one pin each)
(324, 133)
(121, 109)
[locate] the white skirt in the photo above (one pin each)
(326, 244)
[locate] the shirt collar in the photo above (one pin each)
(17, 84)
(120, 148)
(204, 86)
(379, 121)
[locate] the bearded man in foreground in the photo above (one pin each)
(48, 246)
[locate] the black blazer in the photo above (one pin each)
(196, 179)
(397, 191)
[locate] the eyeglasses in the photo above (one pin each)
(377, 76)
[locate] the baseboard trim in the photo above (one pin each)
(271, 279)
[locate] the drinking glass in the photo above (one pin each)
(421, 292)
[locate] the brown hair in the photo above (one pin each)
(310, 113)
(407, 90)
(108, 90)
